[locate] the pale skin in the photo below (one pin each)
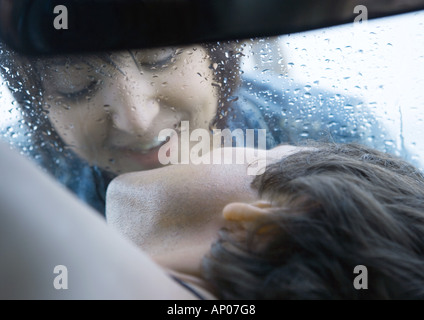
(51, 227)
(110, 110)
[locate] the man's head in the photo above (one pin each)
(325, 211)
(296, 232)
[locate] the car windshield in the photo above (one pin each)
(87, 118)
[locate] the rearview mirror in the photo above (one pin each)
(64, 26)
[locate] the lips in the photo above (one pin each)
(148, 148)
(147, 157)
(143, 155)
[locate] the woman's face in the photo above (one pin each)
(176, 211)
(110, 109)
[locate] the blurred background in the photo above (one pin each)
(380, 62)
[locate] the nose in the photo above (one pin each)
(136, 116)
(135, 109)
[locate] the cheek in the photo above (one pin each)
(66, 124)
(190, 86)
(78, 124)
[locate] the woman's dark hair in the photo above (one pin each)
(336, 207)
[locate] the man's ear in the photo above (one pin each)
(239, 211)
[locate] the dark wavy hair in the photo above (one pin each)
(335, 207)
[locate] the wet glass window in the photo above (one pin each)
(87, 118)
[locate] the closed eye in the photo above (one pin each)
(86, 92)
(155, 58)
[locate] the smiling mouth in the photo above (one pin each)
(156, 144)
(147, 158)
(146, 149)
(147, 155)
